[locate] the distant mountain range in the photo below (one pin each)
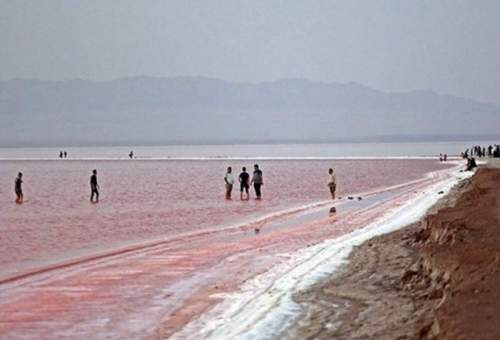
(148, 110)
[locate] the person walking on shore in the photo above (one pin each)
(229, 180)
(257, 181)
(94, 187)
(244, 179)
(18, 188)
(332, 182)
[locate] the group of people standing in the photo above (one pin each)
(63, 154)
(245, 182)
(257, 180)
(482, 151)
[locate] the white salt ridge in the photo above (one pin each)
(263, 308)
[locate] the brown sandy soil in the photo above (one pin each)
(438, 279)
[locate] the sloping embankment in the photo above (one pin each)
(437, 279)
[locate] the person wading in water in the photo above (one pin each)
(94, 187)
(229, 180)
(257, 181)
(244, 178)
(332, 182)
(18, 188)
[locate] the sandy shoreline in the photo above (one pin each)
(435, 279)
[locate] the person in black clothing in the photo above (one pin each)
(65, 154)
(244, 179)
(471, 164)
(94, 187)
(257, 181)
(18, 188)
(131, 154)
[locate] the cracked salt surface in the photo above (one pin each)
(263, 308)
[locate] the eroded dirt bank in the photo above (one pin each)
(438, 279)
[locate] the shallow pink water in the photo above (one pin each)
(144, 200)
(152, 289)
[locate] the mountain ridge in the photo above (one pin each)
(203, 108)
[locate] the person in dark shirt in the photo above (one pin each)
(18, 188)
(94, 187)
(131, 154)
(244, 179)
(257, 181)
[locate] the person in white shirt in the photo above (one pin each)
(229, 180)
(332, 182)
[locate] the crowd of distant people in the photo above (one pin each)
(480, 151)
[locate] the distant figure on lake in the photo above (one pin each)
(65, 154)
(445, 157)
(229, 180)
(332, 182)
(18, 188)
(440, 157)
(61, 154)
(490, 150)
(244, 179)
(94, 187)
(257, 181)
(131, 154)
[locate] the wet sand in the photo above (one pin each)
(437, 279)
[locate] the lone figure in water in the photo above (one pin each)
(332, 182)
(131, 154)
(229, 180)
(18, 188)
(257, 181)
(244, 179)
(94, 187)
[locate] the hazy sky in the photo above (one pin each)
(451, 46)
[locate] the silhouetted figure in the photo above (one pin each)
(131, 154)
(258, 181)
(445, 157)
(244, 178)
(60, 154)
(18, 188)
(496, 153)
(94, 187)
(229, 180)
(65, 154)
(332, 182)
(471, 164)
(490, 150)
